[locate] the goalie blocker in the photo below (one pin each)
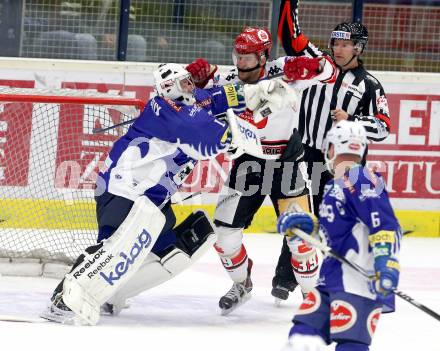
(123, 265)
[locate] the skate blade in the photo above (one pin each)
(51, 317)
(52, 314)
(225, 312)
(277, 302)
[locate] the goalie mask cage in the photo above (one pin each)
(49, 161)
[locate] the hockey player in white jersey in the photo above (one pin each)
(138, 244)
(279, 178)
(356, 221)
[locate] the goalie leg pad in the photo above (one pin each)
(100, 274)
(152, 273)
(195, 236)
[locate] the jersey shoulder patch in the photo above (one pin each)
(275, 67)
(173, 104)
(228, 78)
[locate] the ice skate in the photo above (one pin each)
(237, 295)
(113, 309)
(280, 289)
(58, 312)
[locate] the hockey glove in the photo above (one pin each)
(291, 220)
(301, 68)
(268, 97)
(201, 72)
(387, 272)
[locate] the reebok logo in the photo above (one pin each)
(100, 266)
(144, 240)
(89, 262)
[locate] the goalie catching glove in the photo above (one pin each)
(268, 97)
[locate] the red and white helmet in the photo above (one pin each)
(347, 137)
(253, 40)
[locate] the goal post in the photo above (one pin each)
(49, 161)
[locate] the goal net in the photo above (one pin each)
(50, 155)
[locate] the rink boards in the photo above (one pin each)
(408, 158)
(80, 215)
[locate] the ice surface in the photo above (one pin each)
(182, 314)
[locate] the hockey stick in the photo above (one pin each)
(22, 319)
(324, 248)
(188, 197)
(102, 130)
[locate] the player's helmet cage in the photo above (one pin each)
(354, 31)
(253, 40)
(347, 137)
(174, 82)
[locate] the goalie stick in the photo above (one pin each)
(21, 319)
(324, 248)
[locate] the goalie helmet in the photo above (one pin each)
(347, 137)
(174, 82)
(354, 31)
(253, 40)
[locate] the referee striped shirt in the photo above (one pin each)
(355, 91)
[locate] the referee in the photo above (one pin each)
(355, 96)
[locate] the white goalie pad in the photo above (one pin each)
(156, 271)
(102, 273)
(245, 137)
(195, 237)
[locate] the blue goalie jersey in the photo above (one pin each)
(162, 146)
(355, 209)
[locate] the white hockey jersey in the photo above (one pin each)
(277, 129)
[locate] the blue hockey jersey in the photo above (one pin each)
(162, 146)
(354, 207)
